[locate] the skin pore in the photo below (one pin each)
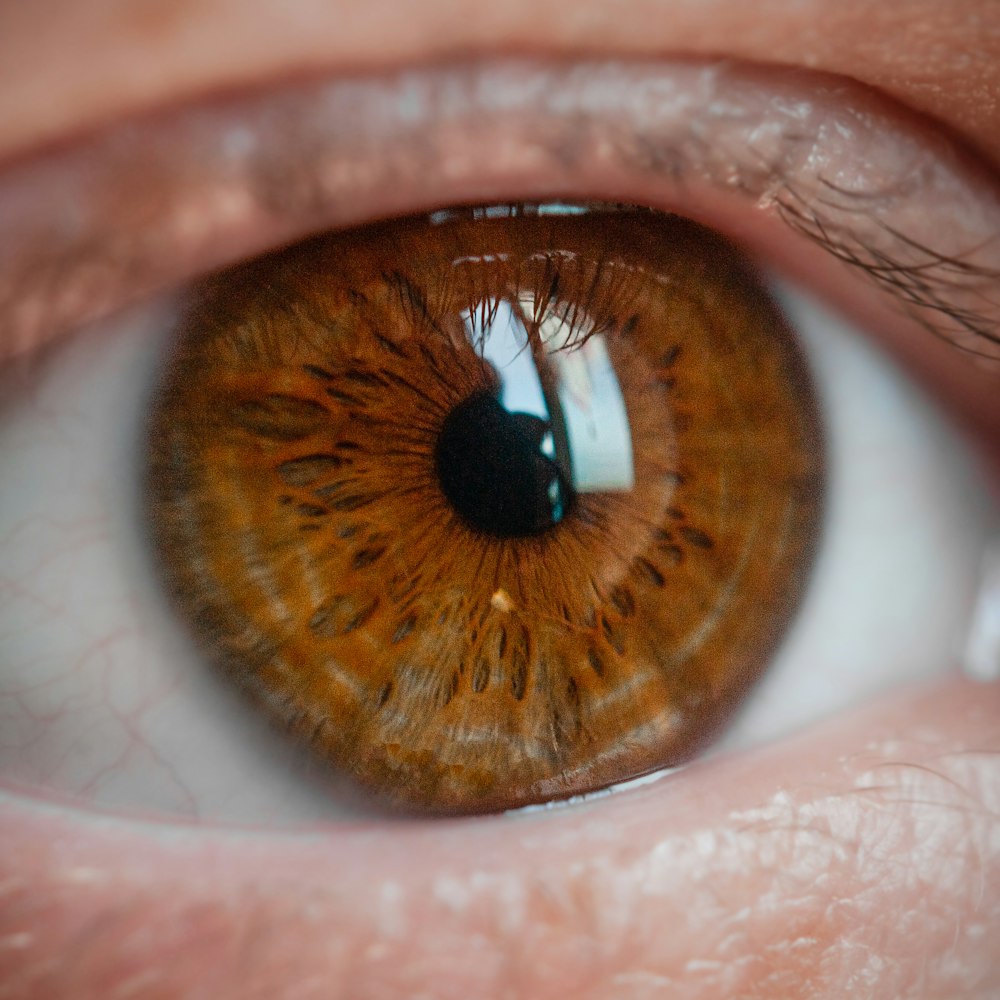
(858, 859)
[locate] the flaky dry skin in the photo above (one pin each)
(296, 509)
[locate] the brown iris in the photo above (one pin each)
(490, 510)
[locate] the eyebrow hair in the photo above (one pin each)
(148, 204)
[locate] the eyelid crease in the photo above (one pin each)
(149, 203)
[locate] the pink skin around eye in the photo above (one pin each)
(859, 859)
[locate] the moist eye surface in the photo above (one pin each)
(491, 507)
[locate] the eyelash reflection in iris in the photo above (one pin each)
(492, 507)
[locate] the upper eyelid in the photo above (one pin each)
(83, 233)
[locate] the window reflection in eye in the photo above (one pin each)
(138, 721)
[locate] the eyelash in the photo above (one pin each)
(923, 284)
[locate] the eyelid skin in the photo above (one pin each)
(117, 59)
(148, 203)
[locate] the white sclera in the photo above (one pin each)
(103, 697)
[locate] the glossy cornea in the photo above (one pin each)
(296, 501)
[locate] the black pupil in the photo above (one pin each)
(494, 473)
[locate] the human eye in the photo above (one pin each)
(318, 200)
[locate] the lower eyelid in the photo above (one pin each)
(847, 851)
